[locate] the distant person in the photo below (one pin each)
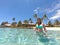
(40, 27)
(42, 33)
(41, 30)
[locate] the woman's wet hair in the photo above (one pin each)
(39, 20)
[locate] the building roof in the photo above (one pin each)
(7, 24)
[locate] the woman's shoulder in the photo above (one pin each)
(43, 24)
(36, 24)
(40, 24)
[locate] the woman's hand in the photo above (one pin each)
(45, 30)
(34, 29)
(39, 30)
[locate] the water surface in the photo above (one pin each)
(17, 36)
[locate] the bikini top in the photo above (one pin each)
(39, 26)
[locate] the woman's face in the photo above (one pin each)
(38, 21)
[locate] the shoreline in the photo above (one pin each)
(53, 28)
(48, 28)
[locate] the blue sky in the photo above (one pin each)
(25, 9)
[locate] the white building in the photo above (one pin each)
(7, 25)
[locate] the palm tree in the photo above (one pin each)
(56, 22)
(35, 16)
(30, 21)
(26, 21)
(50, 23)
(13, 19)
(14, 24)
(19, 24)
(44, 17)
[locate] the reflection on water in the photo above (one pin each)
(14, 36)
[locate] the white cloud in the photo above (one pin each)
(49, 10)
(56, 16)
(56, 8)
(37, 10)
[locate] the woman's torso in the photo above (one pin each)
(39, 27)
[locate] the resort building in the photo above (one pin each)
(30, 25)
(5, 24)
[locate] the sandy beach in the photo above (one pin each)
(53, 28)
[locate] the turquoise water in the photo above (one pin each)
(17, 36)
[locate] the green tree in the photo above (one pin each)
(14, 24)
(56, 22)
(13, 19)
(26, 22)
(44, 17)
(19, 24)
(30, 20)
(35, 16)
(50, 24)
